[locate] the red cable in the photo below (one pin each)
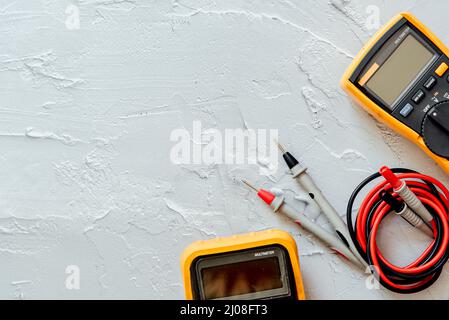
(424, 193)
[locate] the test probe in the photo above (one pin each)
(279, 205)
(419, 199)
(402, 210)
(423, 204)
(306, 182)
(399, 189)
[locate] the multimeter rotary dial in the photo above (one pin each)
(435, 129)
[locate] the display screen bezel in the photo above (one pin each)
(378, 47)
(287, 290)
(391, 79)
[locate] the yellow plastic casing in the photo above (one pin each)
(376, 110)
(241, 242)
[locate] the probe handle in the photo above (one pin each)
(315, 193)
(415, 220)
(330, 240)
(401, 188)
(414, 203)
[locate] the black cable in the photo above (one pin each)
(394, 276)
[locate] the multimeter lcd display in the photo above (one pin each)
(241, 278)
(261, 273)
(396, 66)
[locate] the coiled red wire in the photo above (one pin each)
(425, 270)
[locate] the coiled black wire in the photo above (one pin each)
(396, 277)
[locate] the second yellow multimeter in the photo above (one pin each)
(255, 266)
(401, 77)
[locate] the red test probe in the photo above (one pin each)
(278, 205)
(419, 199)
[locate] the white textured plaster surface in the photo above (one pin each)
(85, 120)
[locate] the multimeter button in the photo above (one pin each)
(406, 110)
(418, 97)
(430, 83)
(441, 69)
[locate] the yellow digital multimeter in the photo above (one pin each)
(401, 77)
(254, 266)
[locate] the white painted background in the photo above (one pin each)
(86, 115)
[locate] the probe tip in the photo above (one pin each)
(250, 185)
(289, 159)
(265, 195)
(281, 147)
